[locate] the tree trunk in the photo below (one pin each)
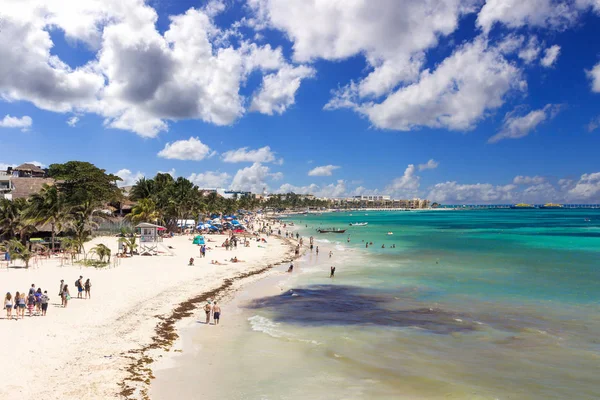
(52, 245)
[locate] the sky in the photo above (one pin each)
(456, 101)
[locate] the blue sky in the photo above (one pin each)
(459, 101)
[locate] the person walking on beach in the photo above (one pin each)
(32, 289)
(330, 254)
(45, 300)
(20, 304)
(88, 288)
(79, 286)
(317, 250)
(291, 268)
(30, 302)
(216, 313)
(66, 296)
(62, 286)
(8, 304)
(332, 272)
(38, 300)
(207, 311)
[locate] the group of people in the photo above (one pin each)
(212, 309)
(36, 302)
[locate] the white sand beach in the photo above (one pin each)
(86, 350)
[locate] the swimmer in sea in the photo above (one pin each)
(383, 246)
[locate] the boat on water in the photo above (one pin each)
(331, 230)
(359, 224)
(551, 205)
(522, 206)
(390, 233)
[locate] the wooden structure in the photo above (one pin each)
(149, 236)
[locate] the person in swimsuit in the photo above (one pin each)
(208, 310)
(66, 296)
(79, 284)
(332, 272)
(291, 268)
(216, 313)
(88, 288)
(45, 300)
(8, 304)
(20, 303)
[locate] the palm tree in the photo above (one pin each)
(144, 210)
(130, 242)
(18, 250)
(13, 222)
(143, 189)
(102, 251)
(49, 207)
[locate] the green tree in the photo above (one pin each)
(144, 211)
(130, 242)
(18, 250)
(101, 251)
(82, 182)
(48, 206)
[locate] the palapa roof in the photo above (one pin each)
(24, 187)
(29, 168)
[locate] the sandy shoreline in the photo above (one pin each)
(100, 348)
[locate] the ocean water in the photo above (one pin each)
(482, 304)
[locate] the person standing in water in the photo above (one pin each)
(332, 272)
(216, 313)
(208, 310)
(317, 250)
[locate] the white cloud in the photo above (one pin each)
(550, 56)
(262, 155)
(191, 149)
(587, 189)
(72, 122)
(431, 164)
(138, 78)
(594, 76)
(128, 178)
(530, 52)
(254, 178)
(528, 180)
(516, 127)
(537, 13)
(407, 185)
(278, 90)
(392, 35)
(324, 170)
(5, 166)
(594, 124)
(210, 179)
(463, 88)
(455, 193)
(332, 190)
(15, 122)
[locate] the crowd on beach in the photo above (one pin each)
(37, 301)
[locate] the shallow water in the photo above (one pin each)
(486, 304)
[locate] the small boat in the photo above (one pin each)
(522, 206)
(552, 205)
(359, 224)
(390, 233)
(331, 230)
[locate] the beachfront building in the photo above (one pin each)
(379, 201)
(22, 181)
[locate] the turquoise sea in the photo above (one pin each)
(480, 304)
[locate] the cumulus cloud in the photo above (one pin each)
(531, 51)
(262, 155)
(254, 178)
(407, 185)
(455, 193)
(72, 122)
(516, 127)
(550, 56)
(128, 178)
(332, 190)
(191, 149)
(324, 170)
(210, 179)
(431, 164)
(536, 13)
(15, 122)
(528, 180)
(139, 78)
(472, 81)
(594, 76)
(587, 189)
(278, 90)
